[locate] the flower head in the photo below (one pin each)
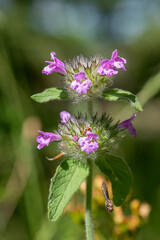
(82, 80)
(82, 139)
(86, 78)
(46, 138)
(128, 125)
(81, 84)
(108, 66)
(55, 66)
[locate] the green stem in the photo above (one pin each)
(90, 109)
(88, 214)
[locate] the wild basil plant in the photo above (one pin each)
(87, 140)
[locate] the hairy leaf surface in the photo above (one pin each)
(116, 94)
(66, 181)
(50, 94)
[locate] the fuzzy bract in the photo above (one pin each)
(83, 139)
(82, 81)
(84, 78)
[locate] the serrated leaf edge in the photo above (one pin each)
(56, 217)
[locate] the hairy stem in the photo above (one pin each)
(90, 109)
(88, 214)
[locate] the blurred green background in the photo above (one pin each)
(29, 31)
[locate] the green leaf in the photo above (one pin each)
(67, 179)
(50, 94)
(116, 94)
(120, 175)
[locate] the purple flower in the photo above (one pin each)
(75, 138)
(81, 83)
(89, 144)
(108, 66)
(65, 116)
(118, 62)
(55, 66)
(128, 125)
(91, 135)
(46, 138)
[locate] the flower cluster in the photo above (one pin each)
(89, 144)
(81, 84)
(83, 139)
(85, 78)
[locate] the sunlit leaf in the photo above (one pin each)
(116, 94)
(67, 179)
(50, 94)
(120, 175)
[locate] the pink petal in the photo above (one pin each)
(65, 116)
(114, 54)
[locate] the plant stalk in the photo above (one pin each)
(88, 213)
(90, 108)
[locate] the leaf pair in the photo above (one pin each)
(114, 94)
(71, 173)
